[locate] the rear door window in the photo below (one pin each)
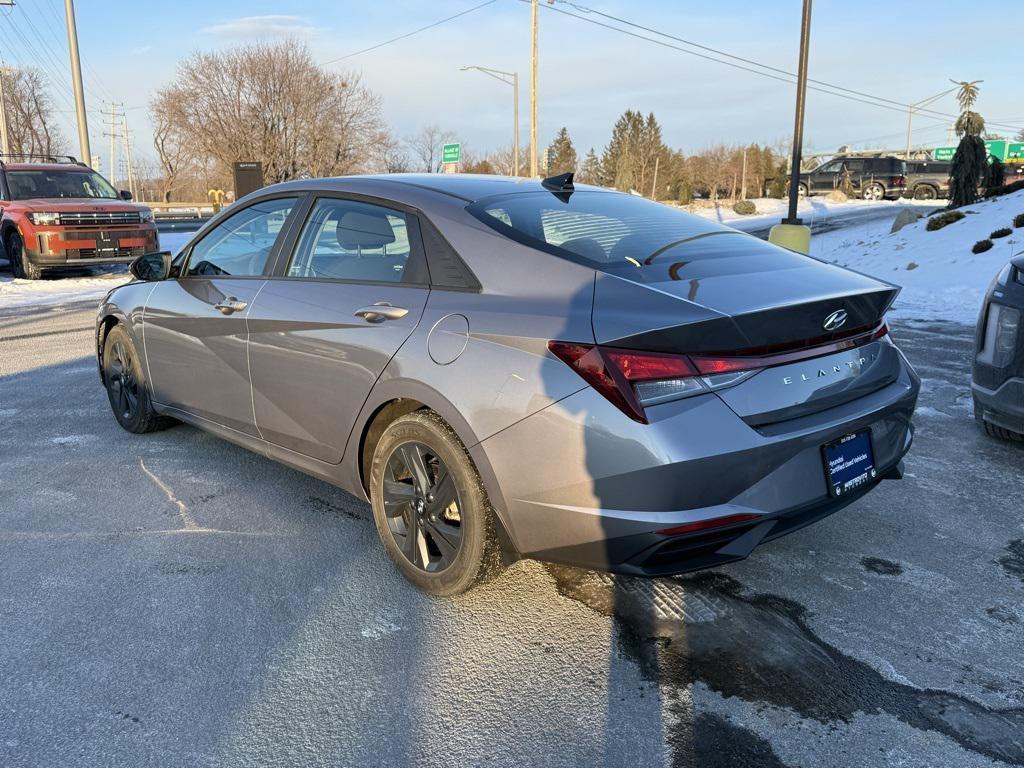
(355, 241)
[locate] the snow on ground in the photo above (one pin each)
(89, 284)
(771, 210)
(940, 277)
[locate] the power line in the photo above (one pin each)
(820, 85)
(410, 34)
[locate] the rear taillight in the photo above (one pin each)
(632, 379)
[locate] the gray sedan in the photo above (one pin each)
(509, 367)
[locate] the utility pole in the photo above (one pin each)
(113, 114)
(4, 146)
(914, 107)
(743, 177)
(76, 81)
(128, 153)
(533, 89)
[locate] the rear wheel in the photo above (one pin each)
(126, 385)
(801, 189)
(21, 266)
(873, 191)
(925, 192)
(430, 508)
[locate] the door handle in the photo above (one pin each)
(230, 305)
(380, 312)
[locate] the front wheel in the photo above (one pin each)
(126, 385)
(430, 508)
(21, 266)
(873, 192)
(801, 190)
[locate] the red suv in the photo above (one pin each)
(61, 213)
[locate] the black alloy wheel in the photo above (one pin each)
(422, 506)
(123, 384)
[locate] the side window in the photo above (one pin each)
(352, 240)
(832, 167)
(855, 165)
(242, 243)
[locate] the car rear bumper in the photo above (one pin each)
(583, 485)
(1002, 407)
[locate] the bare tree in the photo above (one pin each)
(174, 155)
(712, 169)
(388, 155)
(426, 147)
(270, 102)
(31, 127)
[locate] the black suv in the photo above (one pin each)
(927, 179)
(873, 178)
(998, 380)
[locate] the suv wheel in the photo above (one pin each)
(20, 264)
(873, 191)
(991, 429)
(925, 192)
(801, 189)
(430, 508)
(126, 385)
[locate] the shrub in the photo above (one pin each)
(837, 196)
(942, 219)
(1018, 220)
(744, 207)
(1001, 232)
(981, 246)
(1005, 189)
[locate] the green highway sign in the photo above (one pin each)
(1015, 152)
(451, 153)
(994, 147)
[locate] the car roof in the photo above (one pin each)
(467, 187)
(44, 167)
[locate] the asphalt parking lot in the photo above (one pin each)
(173, 600)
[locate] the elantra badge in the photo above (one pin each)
(835, 321)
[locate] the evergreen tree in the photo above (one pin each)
(634, 150)
(561, 154)
(969, 162)
(995, 176)
(590, 171)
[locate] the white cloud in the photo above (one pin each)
(264, 26)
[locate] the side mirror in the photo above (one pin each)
(124, 194)
(150, 267)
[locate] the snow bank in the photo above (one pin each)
(941, 278)
(89, 285)
(771, 210)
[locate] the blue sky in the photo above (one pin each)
(903, 51)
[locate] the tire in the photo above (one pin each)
(925, 192)
(801, 190)
(126, 385)
(992, 430)
(441, 548)
(21, 266)
(873, 191)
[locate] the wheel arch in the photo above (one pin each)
(108, 318)
(393, 399)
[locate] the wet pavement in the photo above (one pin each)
(170, 599)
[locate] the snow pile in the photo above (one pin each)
(63, 287)
(941, 278)
(771, 210)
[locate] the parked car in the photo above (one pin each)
(927, 179)
(508, 367)
(872, 178)
(58, 212)
(998, 376)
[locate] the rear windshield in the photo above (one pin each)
(45, 182)
(607, 230)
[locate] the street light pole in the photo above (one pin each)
(533, 90)
(792, 233)
(508, 78)
(4, 146)
(914, 107)
(76, 81)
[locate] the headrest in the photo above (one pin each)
(361, 229)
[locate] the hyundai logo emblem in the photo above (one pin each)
(835, 321)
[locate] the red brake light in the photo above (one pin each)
(647, 366)
(703, 525)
